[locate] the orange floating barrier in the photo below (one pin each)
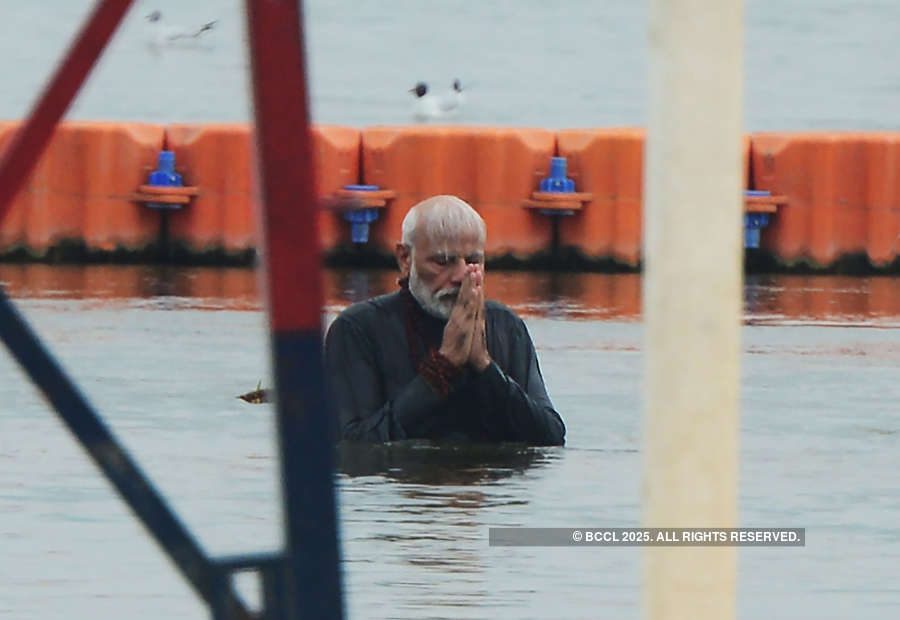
(843, 192)
(336, 151)
(217, 159)
(493, 169)
(608, 164)
(833, 196)
(882, 153)
(79, 191)
(12, 226)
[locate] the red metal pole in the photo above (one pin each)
(23, 151)
(293, 260)
(292, 266)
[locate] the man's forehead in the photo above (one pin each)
(455, 246)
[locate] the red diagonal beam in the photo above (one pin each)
(23, 151)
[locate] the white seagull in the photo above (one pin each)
(428, 107)
(456, 96)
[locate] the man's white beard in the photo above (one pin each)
(437, 304)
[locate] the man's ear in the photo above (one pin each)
(404, 259)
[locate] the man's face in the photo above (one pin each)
(437, 270)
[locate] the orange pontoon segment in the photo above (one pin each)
(12, 226)
(833, 195)
(843, 194)
(336, 151)
(81, 187)
(493, 169)
(218, 159)
(608, 164)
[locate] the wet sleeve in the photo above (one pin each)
(519, 398)
(363, 410)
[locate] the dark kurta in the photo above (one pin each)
(380, 395)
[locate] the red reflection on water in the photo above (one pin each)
(773, 299)
(822, 299)
(232, 289)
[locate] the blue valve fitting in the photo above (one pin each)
(754, 222)
(557, 182)
(360, 218)
(165, 176)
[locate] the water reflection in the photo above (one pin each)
(234, 289)
(424, 462)
(415, 517)
(773, 298)
(768, 299)
(424, 510)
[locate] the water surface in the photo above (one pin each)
(808, 64)
(163, 352)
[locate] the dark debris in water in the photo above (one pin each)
(879, 431)
(257, 396)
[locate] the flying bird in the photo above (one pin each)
(165, 35)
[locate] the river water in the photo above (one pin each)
(163, 353)
(808, 64)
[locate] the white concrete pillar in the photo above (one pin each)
(693, 246)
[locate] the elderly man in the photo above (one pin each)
(435, 360)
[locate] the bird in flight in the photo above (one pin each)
(164, 34)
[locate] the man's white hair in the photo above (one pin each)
(442, 219)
